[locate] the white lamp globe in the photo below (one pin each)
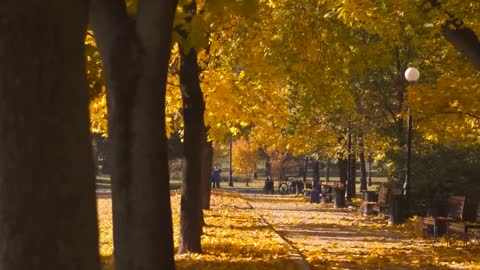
(412, 74)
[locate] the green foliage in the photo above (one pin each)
(440, 171)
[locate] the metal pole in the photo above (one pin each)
(230, 178)
(370, 159)
(348, 193)
(406, 184)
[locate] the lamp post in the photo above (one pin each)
(230, 177)
(412, 75)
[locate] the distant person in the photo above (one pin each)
(216, 177)
(268, 187)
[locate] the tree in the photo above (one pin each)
(244, 157)
(47, 183)
(135, 55)
(192, 30)
(191, 215)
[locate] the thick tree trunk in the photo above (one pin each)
(342, 169)
(47, 183)
(191, 214)
(115, 40)
(193, 109)
(207, 163)
(135, 78)
(152, 235)
(363, 167)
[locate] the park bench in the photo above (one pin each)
(455, 211)
(295, 186)
(463, 227)
(379, 206)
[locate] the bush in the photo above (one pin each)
(439, 171)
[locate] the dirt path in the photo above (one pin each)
(343, 239)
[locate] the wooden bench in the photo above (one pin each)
(463, 227)
(455, 211)
(379, 206)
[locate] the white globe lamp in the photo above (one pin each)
(412, 74)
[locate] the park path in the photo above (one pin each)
(328, 238)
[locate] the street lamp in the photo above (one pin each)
(230, 177)
(412, 75)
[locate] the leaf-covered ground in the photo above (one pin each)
(262, 232)
(343, 239)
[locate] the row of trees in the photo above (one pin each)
(340, 81)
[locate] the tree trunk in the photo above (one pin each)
(363, 168)
(316, 172)
(352, 184)
(191, 214)
(342, 169)
(207, 174)
(327, 170)
(370, 160)
(135, 59)
(268, 167)
(305, 169)
(282, 168)
(350, 178)
(47, 183)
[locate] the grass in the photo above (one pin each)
(104, 182)
(254, 186)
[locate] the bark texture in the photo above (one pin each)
(191, 214)
(207, 163)
(316, 171)
(363, 167)
(352, 183)
(460, 36)
(463, 39)
(47, 182)
(343, 171)
(305, 169)
(327, 170)
(135, 56)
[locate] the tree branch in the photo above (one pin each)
(463, 39)
(460, 36)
